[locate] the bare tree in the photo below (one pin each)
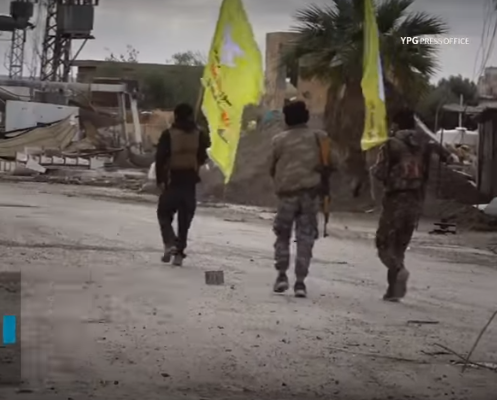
(192, 58)
(130, 56)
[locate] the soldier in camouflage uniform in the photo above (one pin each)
(295, 169)
(402, 167)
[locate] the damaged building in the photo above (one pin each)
(283, 81)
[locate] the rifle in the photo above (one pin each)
(325, 171)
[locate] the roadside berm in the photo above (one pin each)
(450, 194)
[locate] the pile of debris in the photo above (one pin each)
(466, 155)
(250, 183)
(467, 159)
(69, 146)
(122, 179)
(465, 216)
(38, 150)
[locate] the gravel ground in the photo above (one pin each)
(103, 318)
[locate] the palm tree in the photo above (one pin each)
(329, 47)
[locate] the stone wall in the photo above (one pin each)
(275, 73)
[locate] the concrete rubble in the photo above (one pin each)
(84, 153)
(56, 135)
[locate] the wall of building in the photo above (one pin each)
(487, 151)
(311, 91)
(88, 70)
(487, 148)
(23, 114)
(152, 126)
(275, 72)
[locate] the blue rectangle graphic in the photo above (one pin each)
(9, 329)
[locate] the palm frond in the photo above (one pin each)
(421, 24)
(314, 18)
(390, 12)
(329, 42)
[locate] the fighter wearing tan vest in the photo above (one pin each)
(181, 151)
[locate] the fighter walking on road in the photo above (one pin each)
(403, 168)
(296, 170)
(181, 151)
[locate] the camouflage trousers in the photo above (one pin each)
(398, 220)
(302, 211)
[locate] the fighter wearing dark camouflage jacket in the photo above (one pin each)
(402, 167)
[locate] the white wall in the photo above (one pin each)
(22, 114)
(458, 136)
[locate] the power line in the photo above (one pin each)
(490, 49)
(487, 47)
(482, 39)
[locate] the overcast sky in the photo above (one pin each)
(160, 28)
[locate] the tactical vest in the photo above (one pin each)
(408, 170)
(184, 149)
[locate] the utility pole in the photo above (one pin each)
(48, 73)
(21, 12)
(461, 103)
(16, 56)
(66, 20)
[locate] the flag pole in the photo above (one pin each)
(198, 105)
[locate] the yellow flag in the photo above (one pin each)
(233, 78)
(375, 124)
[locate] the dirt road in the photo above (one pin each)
(103, 318)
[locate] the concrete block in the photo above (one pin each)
(22, 157)
(97, 162)
(214, 277)
(82, 162)
(35, 167)
(7, 166)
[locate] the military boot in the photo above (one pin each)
(299, 289)
(169, 251)
(397, 285)
(401, 283)
(281, 285)
(178, 259)
(390, 295)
